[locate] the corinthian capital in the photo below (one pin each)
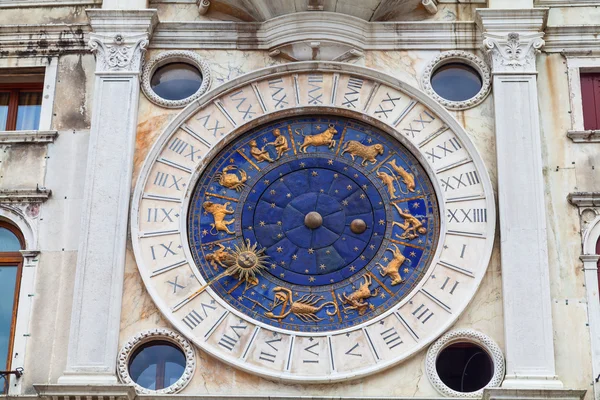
(513, 52)
(118, 53)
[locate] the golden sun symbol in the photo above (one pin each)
(246, 261)
(243, 262)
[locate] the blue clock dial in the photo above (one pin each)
(313, 224)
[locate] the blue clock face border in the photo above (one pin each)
(339, 218)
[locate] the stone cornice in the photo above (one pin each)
(24, 195)
(584, 199)
(47, 3)
(28, 136)
(323, 27)
(498, 21)
(91, 392)
(42, 40)
(580, 39)
(125, 22)
(592, 136)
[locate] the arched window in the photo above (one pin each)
(11, 264)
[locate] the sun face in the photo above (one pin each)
(247, 261)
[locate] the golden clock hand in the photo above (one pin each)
(202, 289)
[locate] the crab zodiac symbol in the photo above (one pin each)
(232, 180)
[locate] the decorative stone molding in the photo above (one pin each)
(31, 196)
(309, 27)
(572, 39)
(46, 40)
(464, 335)
(14, 137)
(118, 56)
(167, 57)
(513, 52)
(203, 6)
(532, 394)
(462, 57)
(592, 136)
(88, 392)
(584, 199)
(430, 6)
(316, 51)
(151, 335)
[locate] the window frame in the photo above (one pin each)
(577, 65)
(15, 90)
(12, 258)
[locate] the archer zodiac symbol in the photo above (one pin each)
(393, 266)
(280, 144)
(324, 138)
(412, 226)
(357, 299)
(219, 212)
(367, 153)
(232, 180)
(305, 308)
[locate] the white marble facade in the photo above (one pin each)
(535, 298)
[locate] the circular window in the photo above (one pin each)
(464, 362)
(464, 367)
(176, 81)
(157, 365)
(456, 82)
(157, 361)
(456, 79)
(175, 78)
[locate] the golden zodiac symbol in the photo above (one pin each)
(368, 153)
(388, 180)
(219, 257)
(320, 139)
(305, 308)
(243, 262)
(393, 266)
(356, 300)
(259, 154)
(231, 180)
(407, 177)
(280, 143)
(219, 211)
(412, 226)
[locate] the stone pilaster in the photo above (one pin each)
(119, 41)
(512, 38)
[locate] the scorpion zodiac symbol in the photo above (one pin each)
(305, 308)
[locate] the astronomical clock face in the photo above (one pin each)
(317, 245)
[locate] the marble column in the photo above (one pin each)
(119, 41)
(512, 38)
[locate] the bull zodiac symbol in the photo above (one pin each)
(305, 308)
(324, 138)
